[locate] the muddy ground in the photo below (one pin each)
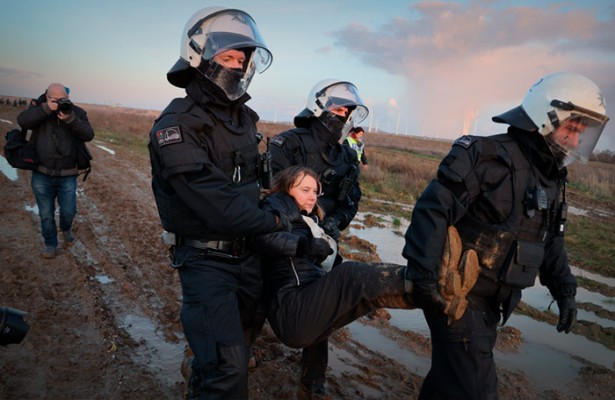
(86, 306)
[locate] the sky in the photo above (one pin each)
(427, 68)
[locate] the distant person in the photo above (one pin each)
(333, 107)
(506, 195)
(355, 141)
(204, 156)
(307, 304)
(57, 127)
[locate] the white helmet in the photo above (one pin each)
(331, 93)
(211, 31)
(557, 98)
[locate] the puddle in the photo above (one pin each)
(108, 150)
(103, 279)
(342, 362)
(7, 170)
(371, 338)
(547, 357)
(162, 358)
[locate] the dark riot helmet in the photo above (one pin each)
(552, 101)
(210, 32)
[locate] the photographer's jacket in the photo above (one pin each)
(337, 166)
(55, 140)
(204, 156)
(503, 193)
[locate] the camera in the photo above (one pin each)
(13, 328)
(65, 106)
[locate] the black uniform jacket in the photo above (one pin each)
(317, 148)
(478, 185)
(204, 157)
(282, 267)
(55, 140)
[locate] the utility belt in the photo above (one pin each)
(226, 249)
(57, 172)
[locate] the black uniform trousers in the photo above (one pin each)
(304, 316)
(462, 364)
(219, 302)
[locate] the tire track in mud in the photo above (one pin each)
(117, 245)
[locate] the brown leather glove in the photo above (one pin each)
(458, 274)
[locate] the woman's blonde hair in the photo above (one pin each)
(284, 180)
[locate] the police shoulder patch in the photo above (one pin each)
(465, 141)
(169, 135)
(278, 140)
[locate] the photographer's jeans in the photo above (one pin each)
(46, 189)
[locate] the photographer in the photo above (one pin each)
(58, 126)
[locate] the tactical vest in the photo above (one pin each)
(336, 176)
(235, 154)
(511, 252)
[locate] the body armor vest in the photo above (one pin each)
(511, 252)
(336, 175)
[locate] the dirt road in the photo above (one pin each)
(104, 314)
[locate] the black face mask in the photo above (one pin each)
(227, 79)
(334, 123)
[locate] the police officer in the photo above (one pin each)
(204, 157)
(333, 107)
(506, 195)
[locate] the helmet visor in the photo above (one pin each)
(230, 29)
(343, 94)
(575, 138)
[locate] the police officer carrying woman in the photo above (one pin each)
(506, 195)
(204, 157)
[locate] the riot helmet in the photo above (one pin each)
(568, 109)
(215, 30)
(330, 95)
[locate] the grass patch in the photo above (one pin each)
(590, 244)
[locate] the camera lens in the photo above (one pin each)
(65, 106)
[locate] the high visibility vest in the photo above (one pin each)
(356, 146)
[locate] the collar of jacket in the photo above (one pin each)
(208, 95)
(534, 146)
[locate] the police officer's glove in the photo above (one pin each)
(285, 222)
(567, 313)
(331, 228)
(315, 248)
(426, 295)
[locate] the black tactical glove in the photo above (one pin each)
(426, 295)
(567, 313)
(315, 248)
(285, 222)
(330, 225)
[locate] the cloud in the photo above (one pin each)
(461, 59)
(17, 73)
